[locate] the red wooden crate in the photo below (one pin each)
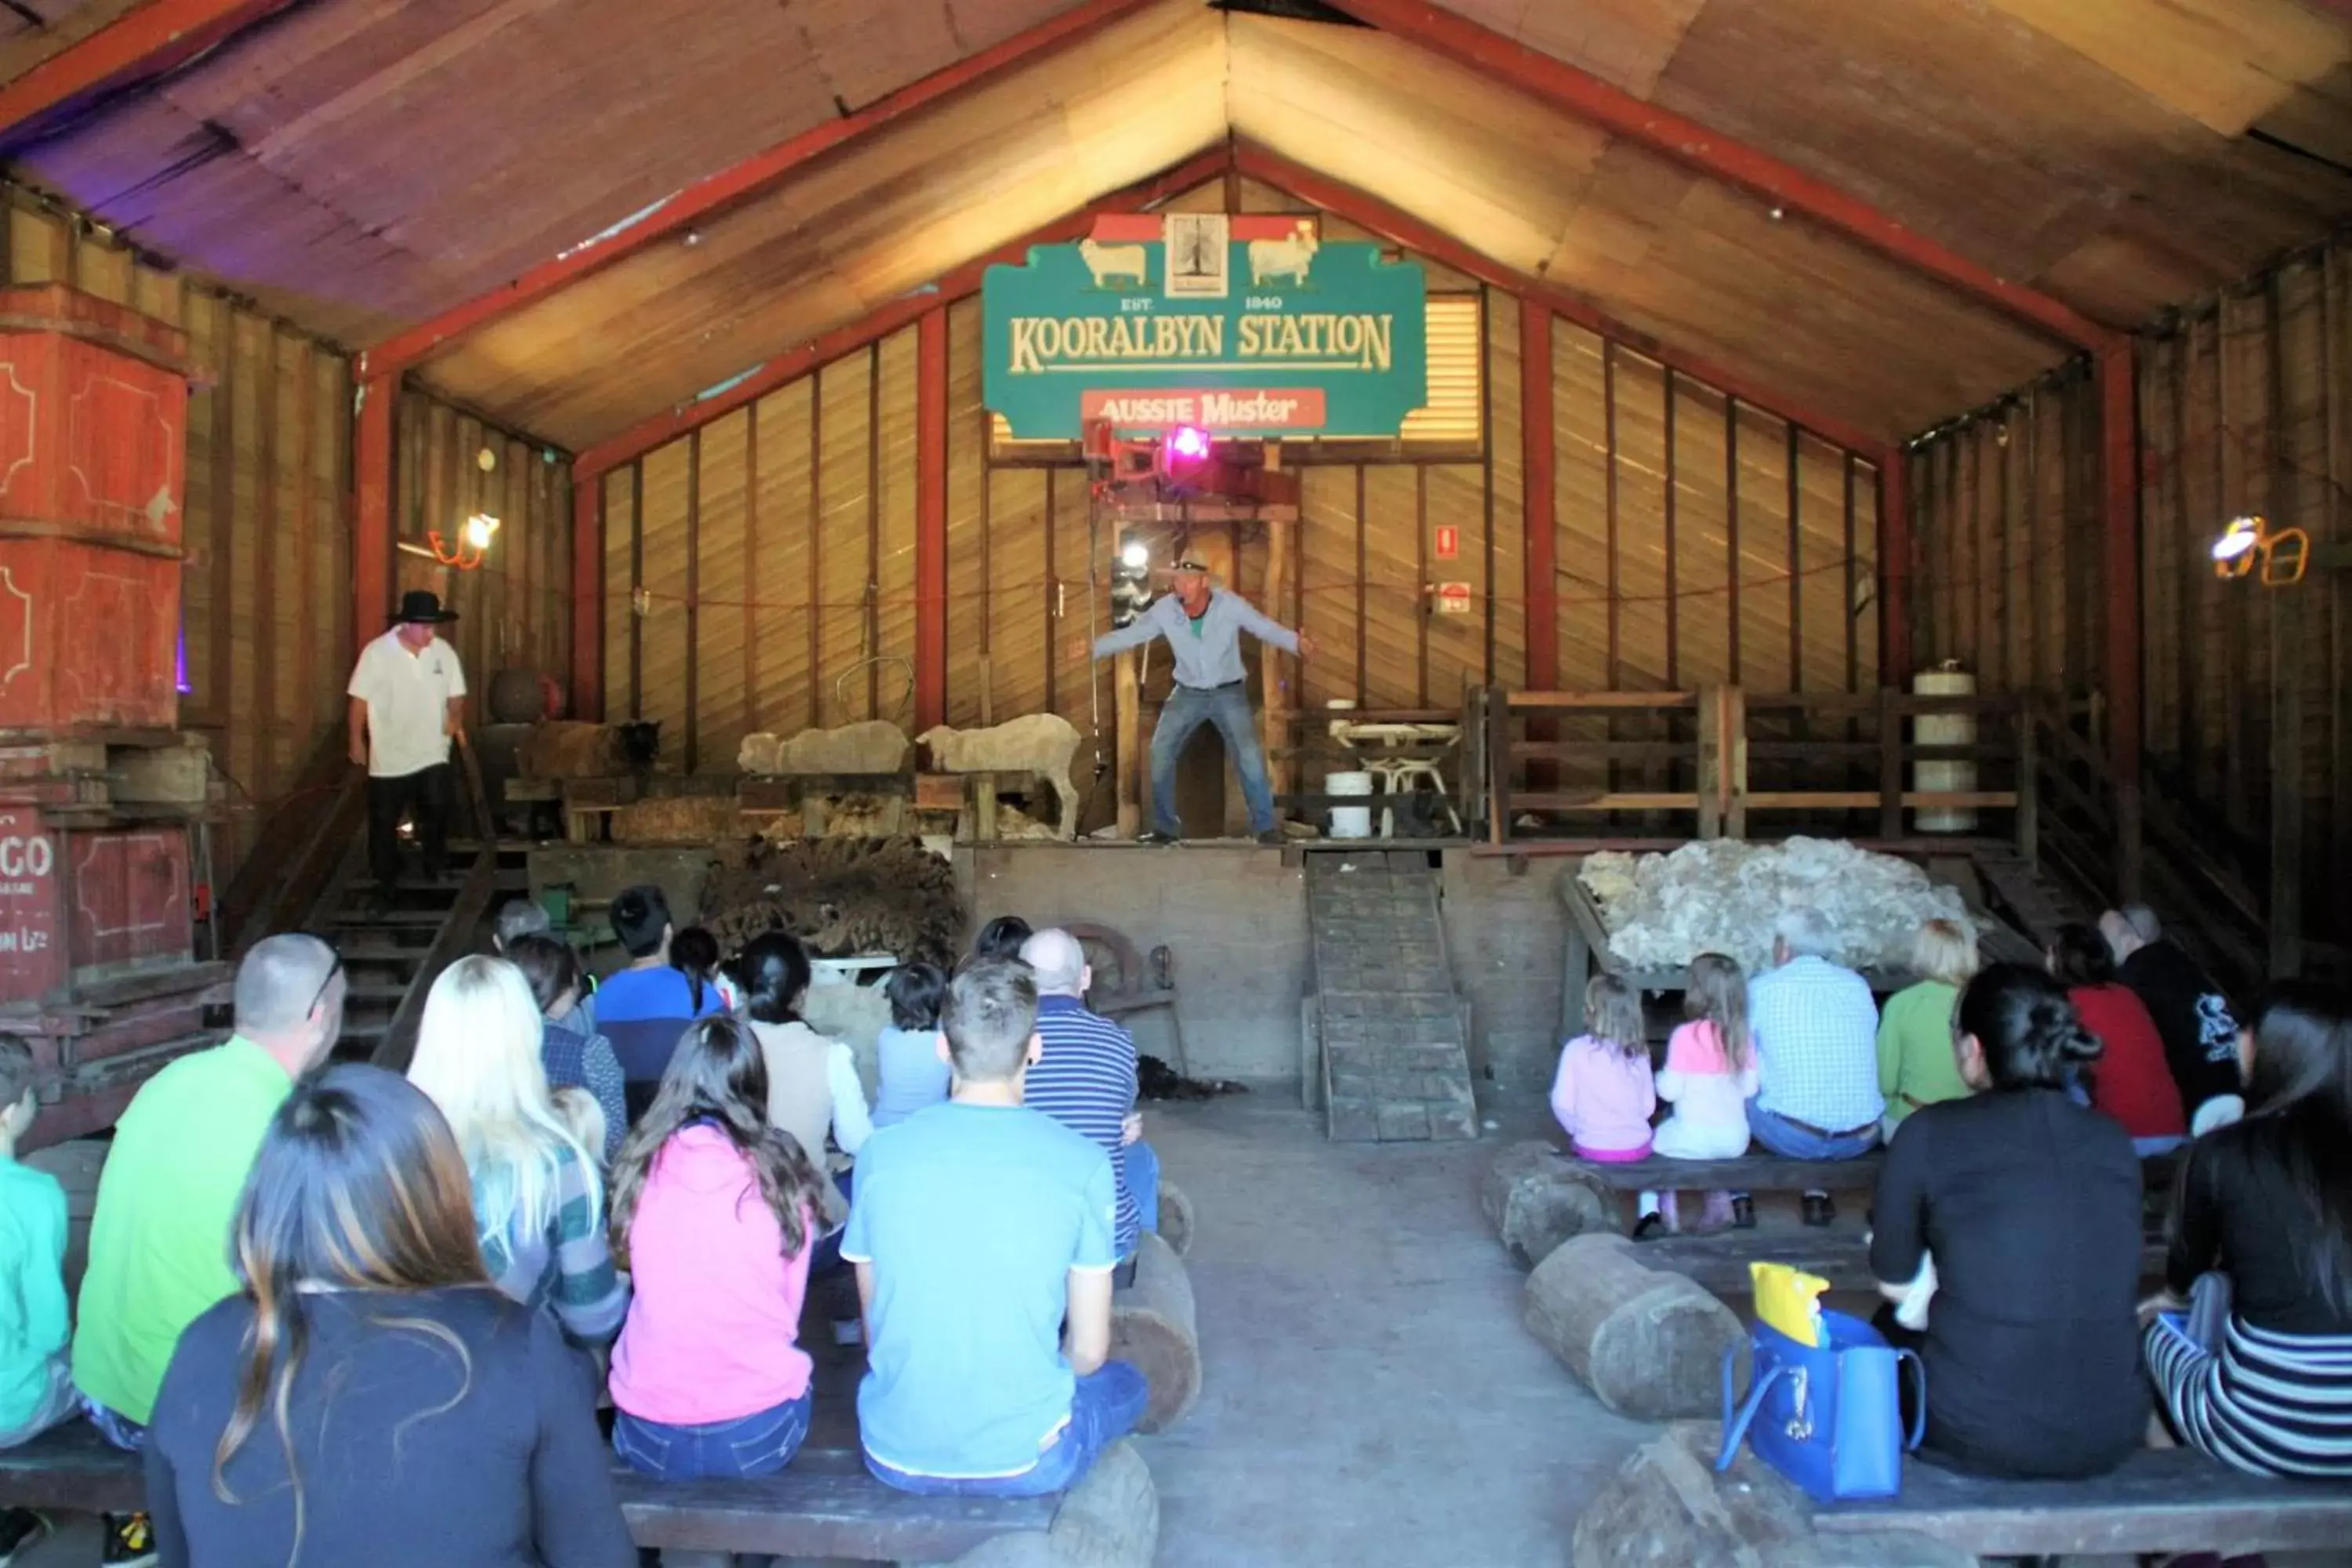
(87, 637)
(82, 904)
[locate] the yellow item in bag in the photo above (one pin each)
(1789, 1300)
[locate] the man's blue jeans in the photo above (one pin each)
(1105, 1409)
(759, 1444)
(1228, 708)
(1777, 1133)
(1143, 1181)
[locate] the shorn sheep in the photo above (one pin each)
(870, 746)
(1040, 743)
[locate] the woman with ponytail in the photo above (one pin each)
(367, 1397)
(2029, 1205)
(2260, 1374)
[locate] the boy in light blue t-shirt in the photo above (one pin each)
(36, 1389)
(979, 1228)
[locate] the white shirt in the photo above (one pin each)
(408, 697)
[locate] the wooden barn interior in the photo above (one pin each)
(1783, 354)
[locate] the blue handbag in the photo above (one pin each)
(1829, 1417)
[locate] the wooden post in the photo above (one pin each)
(1499, 765)
(2119, 484)
(1274, 723)
(1734, 699)
(1710, 787)
(1890, 763)
(372, 530)
(2028, 782)
(983, 809)
(931, 519)
(1127, 709)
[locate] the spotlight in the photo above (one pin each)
(1135, 555)
(480, 528)
(1188, 442)
(2283, 553)
(2239, 539)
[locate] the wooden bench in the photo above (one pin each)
(823, 1505)
(1719, 1263)
(2161, 1500)
(1749, 1172)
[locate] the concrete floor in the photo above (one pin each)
(1369, 1395)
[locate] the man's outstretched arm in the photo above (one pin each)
(1266, 630)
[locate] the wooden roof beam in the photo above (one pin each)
(790, 366)
(155, 38)
(706, 197)
(1554, 82)
(1403, 229)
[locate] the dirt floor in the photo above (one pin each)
(1368, 1394)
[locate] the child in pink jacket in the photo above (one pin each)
(1603, 1093)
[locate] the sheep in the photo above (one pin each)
(872, 746)
(1040, 743)
(568, 748)
(1111, 263)
(1272, 258)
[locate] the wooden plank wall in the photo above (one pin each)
(266, 592)
(798, 608)
(2243, 402)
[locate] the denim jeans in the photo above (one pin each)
(756, 1444)
(1228, 708)
(114, 1426)
(1105, 1408)
(827, 1256)
(1783, 1137)
(1143, 1181)
(60, 1404)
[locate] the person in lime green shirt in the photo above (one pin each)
(1916, 1062)
(36, 1387)
(159, 1240)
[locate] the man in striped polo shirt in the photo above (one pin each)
(1085, 1080)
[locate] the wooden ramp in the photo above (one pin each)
(1395, 1036)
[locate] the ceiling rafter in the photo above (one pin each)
(155, 38)
(712, 194)
(1577, 92)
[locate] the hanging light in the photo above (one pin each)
(2282, 553)
(1135, 555)
(1189, 442)
(480, 528)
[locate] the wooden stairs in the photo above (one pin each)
(391, 957)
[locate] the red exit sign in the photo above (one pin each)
(1449, 542)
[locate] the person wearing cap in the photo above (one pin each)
(1204, 628)
(407, 700)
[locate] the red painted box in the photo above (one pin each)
(84, 904)
(93, 434)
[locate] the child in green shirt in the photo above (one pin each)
(37, 1390)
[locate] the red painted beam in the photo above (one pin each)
(932, 519)
(756, 383)
(587, 599)
(711, 194)
(371, 509)
(2119, 503)
(156, 37)
(1537, 458)
(1403, 229)
(1566, 88)
(1893, 569)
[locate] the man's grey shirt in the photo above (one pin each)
(1213, 655)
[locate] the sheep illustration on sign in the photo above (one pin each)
(1134, 326)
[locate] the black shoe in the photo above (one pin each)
(1153, 835)
(1650, 1227)
(1743, 1213)
(1818, 1209)
(1273, 838)
(19, 1528)
(130, 1540)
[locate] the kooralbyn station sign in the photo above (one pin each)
(1238, 326)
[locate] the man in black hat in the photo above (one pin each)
(1204, 628)
(408, 699)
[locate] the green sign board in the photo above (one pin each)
(1240, 327)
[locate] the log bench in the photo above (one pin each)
(1719, 1263)
(1749, 1172)
(2161, 1500)
(823, 1505)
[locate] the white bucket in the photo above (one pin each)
(1947, 680)
(1349, 821)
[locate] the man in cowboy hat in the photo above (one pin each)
(1203, 628)
(408, 698)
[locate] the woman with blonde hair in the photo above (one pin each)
(1915, 1067)
(366, 1396)
(538, 1203)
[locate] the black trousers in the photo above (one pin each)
(425, 794)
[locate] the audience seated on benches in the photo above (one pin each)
(2261, 1234)
(2190, 1011)
(1002, 938)
(645, 1007)
(1602, 1094)
(1915, 1067)
(981, 1227)
(813, 1083)
(37, 1390)
(1710, 1075)
(908, 1052)
(694, 952)
(2131, 1082)
(159, 1239)
(716, 1211)
(1086, 1081)
(2029, 1203)
(538, 1201)
(1816, 1033)
(365, 1396)
(573, 1059)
